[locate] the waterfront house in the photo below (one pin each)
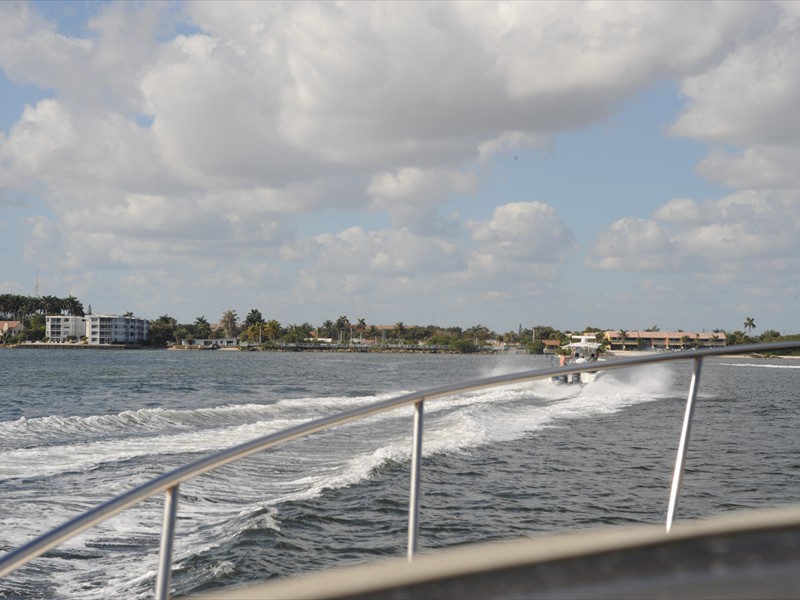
(551, 346)
(664, 340)
(11, 328)
(212, 343)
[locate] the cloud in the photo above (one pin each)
(384, 253)
(412, 196)
(508, 141)
(680, 210)
(735, 233)
(741, 104)
(741, 99)
(760, 166)
(524, 231)
(98, 72)
(519, 238)
(68, 151)
(635, 244)
(264, 96)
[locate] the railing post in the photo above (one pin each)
(416, 463)
(164, 576)
(680, 461)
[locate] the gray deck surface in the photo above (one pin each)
(740, 555)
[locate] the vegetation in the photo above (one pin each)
(18, 308)
(257, 331)
(749, 324)
(31, 311)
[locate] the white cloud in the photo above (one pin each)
(742, 99)
(267, 95)
(412, 196)
(42, 134)
(735, 233)
(680, 210)
(759, 166)
(509, 141)
(384, 253)
(96, 73)
(634, 244)
(70, 151)
(571, 61)
(524, 231)
(32, 51)
(744, 106)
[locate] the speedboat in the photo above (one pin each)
(586, 349)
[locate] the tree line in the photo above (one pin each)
(14, 307)
(262, 332)
(258, 331)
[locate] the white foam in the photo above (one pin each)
(328, 461)
(760, 365)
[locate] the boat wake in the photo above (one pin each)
(760, 365)
(70, 464)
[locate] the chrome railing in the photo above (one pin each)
(170, 482)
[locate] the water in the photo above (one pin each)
(78, 427)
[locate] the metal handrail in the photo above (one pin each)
(170, 481)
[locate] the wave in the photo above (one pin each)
(46, 446)
(759, 365)
(248, 495)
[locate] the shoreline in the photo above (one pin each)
(360, 349)
(632, 353)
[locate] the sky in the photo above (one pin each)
(615, 165)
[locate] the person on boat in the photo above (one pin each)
(579, 358)
(562, 362)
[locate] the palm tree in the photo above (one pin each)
(328, 328)
(162, 330)
(228, 323)
(749, 324)
(342, 325)
(51, 305)
(271, 329)
(253, 324)
(399, 330)
(361, 326)
(73, 306)
(478, 332)
(622, 335)
(253, 318)
(202, 328)
(298, 333)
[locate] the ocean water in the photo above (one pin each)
(78, 427)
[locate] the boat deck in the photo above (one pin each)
(740, 555)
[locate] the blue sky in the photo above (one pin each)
(616, 165)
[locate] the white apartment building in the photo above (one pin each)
(62, 329)
(113, 329)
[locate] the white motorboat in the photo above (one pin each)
(586, 349)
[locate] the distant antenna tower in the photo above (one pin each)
(36, 293)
